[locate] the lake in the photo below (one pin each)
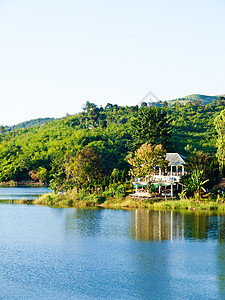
(67, 253)
(28, 193)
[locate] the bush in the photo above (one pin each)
(108, 193)
(99, 199)
(120, 191)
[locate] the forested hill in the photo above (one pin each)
(41, 151)
(194, 99)
(30, 123)
(201, 99)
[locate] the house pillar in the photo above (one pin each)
(182, 169)
(171, 191)
(171, 170)
(160, 233)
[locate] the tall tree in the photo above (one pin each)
(153, 125)
(220, 128)
(88, 106)
(94, 115)
(205, 166)
(84, 167)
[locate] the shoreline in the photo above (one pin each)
(24, 183)
(66, 201)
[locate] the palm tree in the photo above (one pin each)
(195, 184)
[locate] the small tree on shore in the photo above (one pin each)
(83, 168)
(195, 185)
(41, 174)
(206, 165)
(146, 160)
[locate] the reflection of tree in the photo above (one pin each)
(221, 269)
(204, 225)
(196, 225)
(221, 254)
(221, 225)
(86, 222)
(169, 225)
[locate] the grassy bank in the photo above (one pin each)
(72, 199)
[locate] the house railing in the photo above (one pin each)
(158, 178)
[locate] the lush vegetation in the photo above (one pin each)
(73, 199)
(146, 160)
(88, 151)
(193, 126)
(40, 152)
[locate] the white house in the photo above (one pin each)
(170, 177)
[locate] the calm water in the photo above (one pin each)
(15, 193)
(50, 253)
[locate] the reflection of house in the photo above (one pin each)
(169, 177)
(150, 225)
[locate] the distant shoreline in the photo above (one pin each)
(24, 183)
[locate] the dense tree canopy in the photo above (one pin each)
(84, 167)
(39, 152)
(202, 167)
(152, 126)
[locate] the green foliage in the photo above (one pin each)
(194, 184)
(195, 98)
(84, 167)
(121, 190)
(193, 127)
(58, 181)
(33, 122)
(220, 128)
(43, 150)
(146, 159)
(41, 174)
(206, 164)
(151, 126)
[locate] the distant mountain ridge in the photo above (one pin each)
(203, 98)
(30, 123)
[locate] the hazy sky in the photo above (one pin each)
(57, 54)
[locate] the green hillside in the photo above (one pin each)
(41, 151)
(193, 98)
(30, 123)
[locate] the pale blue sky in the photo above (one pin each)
(55, 55)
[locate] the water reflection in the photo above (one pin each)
(149, 225)
(221, 268)
(112, 240)
(97, 222)
(86, 222)
(53, 253)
